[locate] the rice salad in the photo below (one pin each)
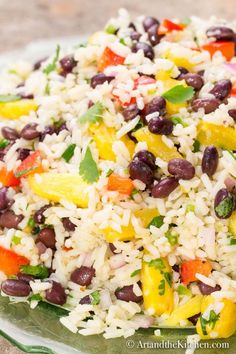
(118, 175)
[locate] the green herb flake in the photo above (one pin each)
(157, 263)
(135, 272)
(232, 154)
(196, 146)
(168, 278)
(47, 89)
(52, 66)
(172, 237)
(225, 206)
(88, 168)
(4, 143)
(111, 29)
(134, 192)
(122, 41)
(9, 98)
(93, 114)
(25, 171)
(182, 290)
(177, 120)
(31, 222)
(179, 94)
(109, 172)
(16, 240)
(232, 241)
(213, 318)
(95, 297)
(69, 152)
(35, 297)
(39, 271)
(139, 125)
(161, 287)
(157, 221)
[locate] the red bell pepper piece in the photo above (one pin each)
(233, 91)
(123, 185)
(226, 48)
(190, 268)
(32, 164)
(10, 261)
(8, 179)
(109, 58)
(168, 26)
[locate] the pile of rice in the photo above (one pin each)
(190, 207)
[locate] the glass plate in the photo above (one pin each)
(39, 330)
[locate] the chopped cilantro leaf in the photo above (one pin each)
(179, 94)
(52, 66)
(93, 114)
(88, 168)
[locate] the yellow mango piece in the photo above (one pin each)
(183, 312)
(55, 187)
(156, 145)
(104, 138)
(16, 109)
(127, 233)
(225, 326)
(173, 108)
(100, 37)
(218, 135)
(180, 60)
(232, 224)
(157, 293)
(146, 215)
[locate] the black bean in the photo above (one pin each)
(175, 267)
(39, 218)
(221, 89)
(25, 277)
(56, 295)
(149, 22)
(194, 80)
(4, 201)
(10, 220)
(127, 294)
(207, 289)
(48, 130)
(67, 64)
(147, 157)
(4, 151)
(224, 203)
(182, 70)
(100, 79)
(135, 36)
(86, 300)
(41, 247)
(164, 187)
(181, 168)
(220, 33)
(157, 104)
(23, 153)
(130, 112)
(83, 275)
(10, 133)
(39, 63)
(146, 48)
(25, 96)
(30, 132)
(153, 35)
(14, 287)
(132, 26)
(160, 125)
(112, 248)
(208, 104)
(210, 160)
(194, 318)
(141, 171)
(47, 237)
(68, 225)
(232, 113)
